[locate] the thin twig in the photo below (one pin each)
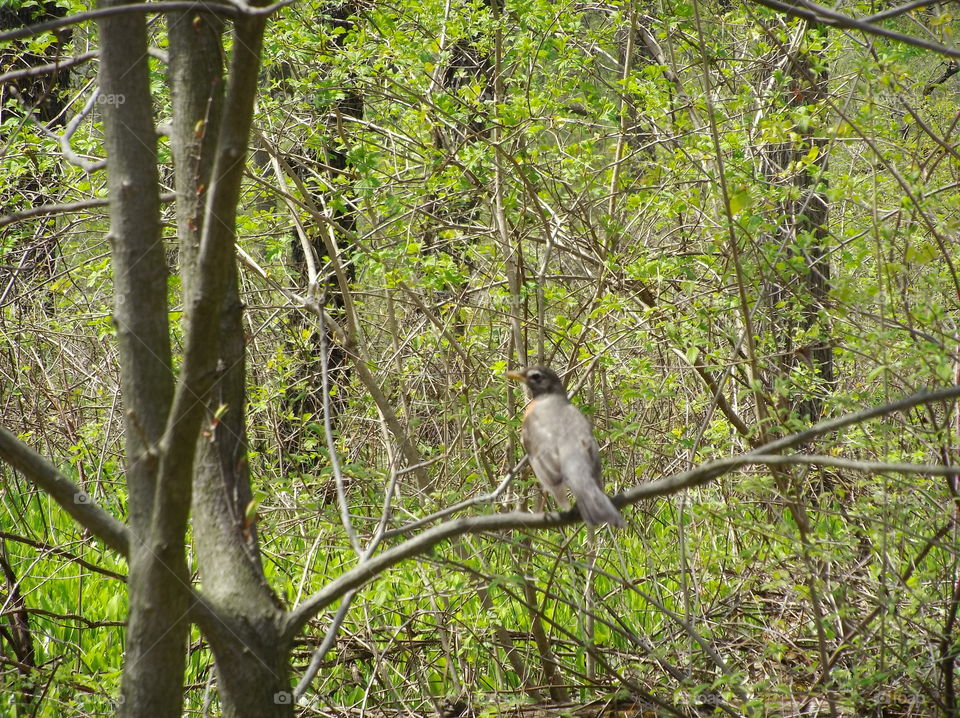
(449, 510)
(331, 444)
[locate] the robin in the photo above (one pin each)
(562, 450)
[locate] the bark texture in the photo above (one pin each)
(156, 626)
(243, 619)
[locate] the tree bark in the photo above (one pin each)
(152, 682)
(251, 660)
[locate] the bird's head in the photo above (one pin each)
(540, 380)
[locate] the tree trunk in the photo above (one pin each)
(245, 616)
(803, 232)
(156, 625)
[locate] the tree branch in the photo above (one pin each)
(65, 208)
(216, 253)
(104, 12)
(368, 570)
(68, 556)
(74, 500)
(37, 70)
(818, 13)
(707, 472)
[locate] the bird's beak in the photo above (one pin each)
(519, 374)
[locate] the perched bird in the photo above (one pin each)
(562, 450)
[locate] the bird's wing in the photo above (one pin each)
(578, 453)
(580, 458)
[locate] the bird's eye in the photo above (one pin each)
(535, 375)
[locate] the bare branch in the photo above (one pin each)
(901, 9)
(707, 472)
(48, 68)
(869, 467)
(72, 126)
(100, 13)
(233, 10)
(65, 208)
(74, 500)
(332, 444)
(368, 570)
(69, 556)
(46, 209)
(818, 13)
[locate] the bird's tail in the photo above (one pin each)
(597, 508)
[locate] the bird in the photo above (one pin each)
(563, 453)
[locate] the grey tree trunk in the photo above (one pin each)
(244, 624)
(156, 625)
(243, 616)
(164, 419)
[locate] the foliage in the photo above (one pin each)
(546, 204)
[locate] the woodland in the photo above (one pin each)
(264, 268)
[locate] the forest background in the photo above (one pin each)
(261, 457)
